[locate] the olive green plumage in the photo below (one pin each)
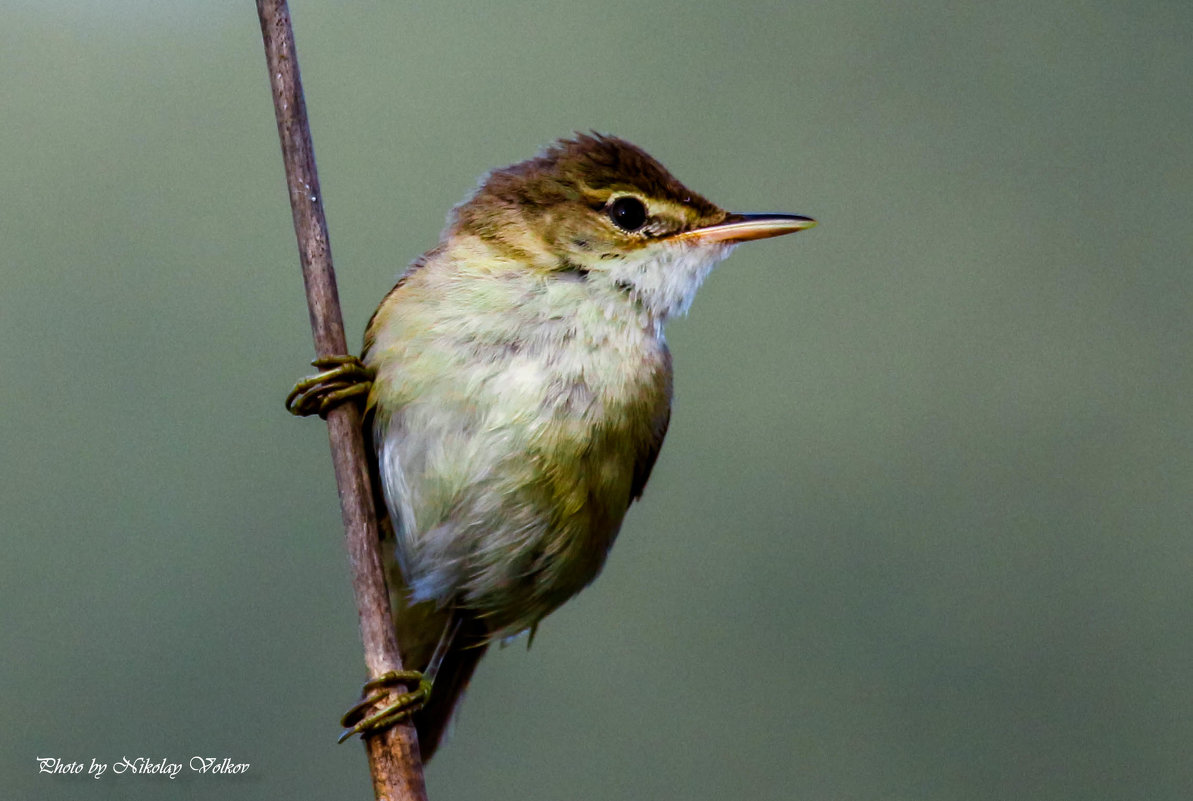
(523, 388)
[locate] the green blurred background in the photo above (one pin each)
(922, 526)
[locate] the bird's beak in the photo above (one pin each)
(744, 227)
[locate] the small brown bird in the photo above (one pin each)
(518, 391)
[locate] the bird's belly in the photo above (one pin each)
(516, 479)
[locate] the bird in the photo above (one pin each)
(517, 389)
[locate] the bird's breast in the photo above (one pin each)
(508, 437)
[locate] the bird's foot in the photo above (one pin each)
(341, 379)
(358, 719)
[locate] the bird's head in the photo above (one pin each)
(598, 208)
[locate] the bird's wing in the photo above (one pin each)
(649, 452)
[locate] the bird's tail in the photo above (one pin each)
(422, 629)
(455, 671)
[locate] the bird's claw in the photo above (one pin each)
(357, 720)
(341, 379)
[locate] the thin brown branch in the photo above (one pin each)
(393, 754)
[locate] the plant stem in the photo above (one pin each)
(393, 753)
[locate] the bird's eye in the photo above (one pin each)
(627, 213)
